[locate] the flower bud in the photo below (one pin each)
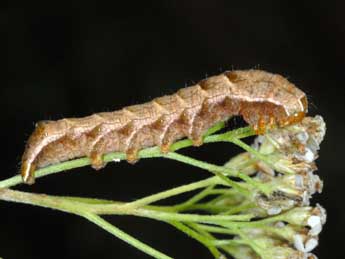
(293, 149)
(310, 217)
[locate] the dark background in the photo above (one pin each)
(74, 59)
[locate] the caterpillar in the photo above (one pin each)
(263, 99)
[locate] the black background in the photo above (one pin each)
(74, 59)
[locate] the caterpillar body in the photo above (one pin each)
(261, 98)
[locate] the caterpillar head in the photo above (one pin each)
(269, 99)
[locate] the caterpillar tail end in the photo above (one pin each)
(28, 172)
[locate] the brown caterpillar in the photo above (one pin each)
(262, 98)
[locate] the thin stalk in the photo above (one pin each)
(251, 150)
(124, 236)
(220, 171)
(220, 243)
(236, 133)
(239, 208)
(75, 207)
(203, 240)
(257, 223)
(201, 164)
(167, 216)
(152, 152)
(42, 200)
(217, 230)
(233, 184)
(90, 210)
(197, 197)
(202, 232)
(172, 192)
(211, 208)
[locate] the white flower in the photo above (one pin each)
(293, 149)
(310, 217)
(305, 245)
(307, 156)
(314, 222)
(302, 140)
(288, 191)
(269, 248)
(274, 211)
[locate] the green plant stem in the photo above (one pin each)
(43, 200)
(76, 207)
(145, 153)
(166, 216)
(80, 209)
(172, 192)
(89, 211)
(218, 230)
(203, 240)
(226, 171)
(188, 205)
(195, 226)
(262, 223)
(227, 136)
(89, 208)
(220, 243)
(210, 208)
(197, 197)
(231, 231)
(236, 186)
(201, 164)
(124, 236)
(251, 150)
(239, 208)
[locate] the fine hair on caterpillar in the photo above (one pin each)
(263, 100)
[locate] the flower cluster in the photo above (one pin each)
(287, 226)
